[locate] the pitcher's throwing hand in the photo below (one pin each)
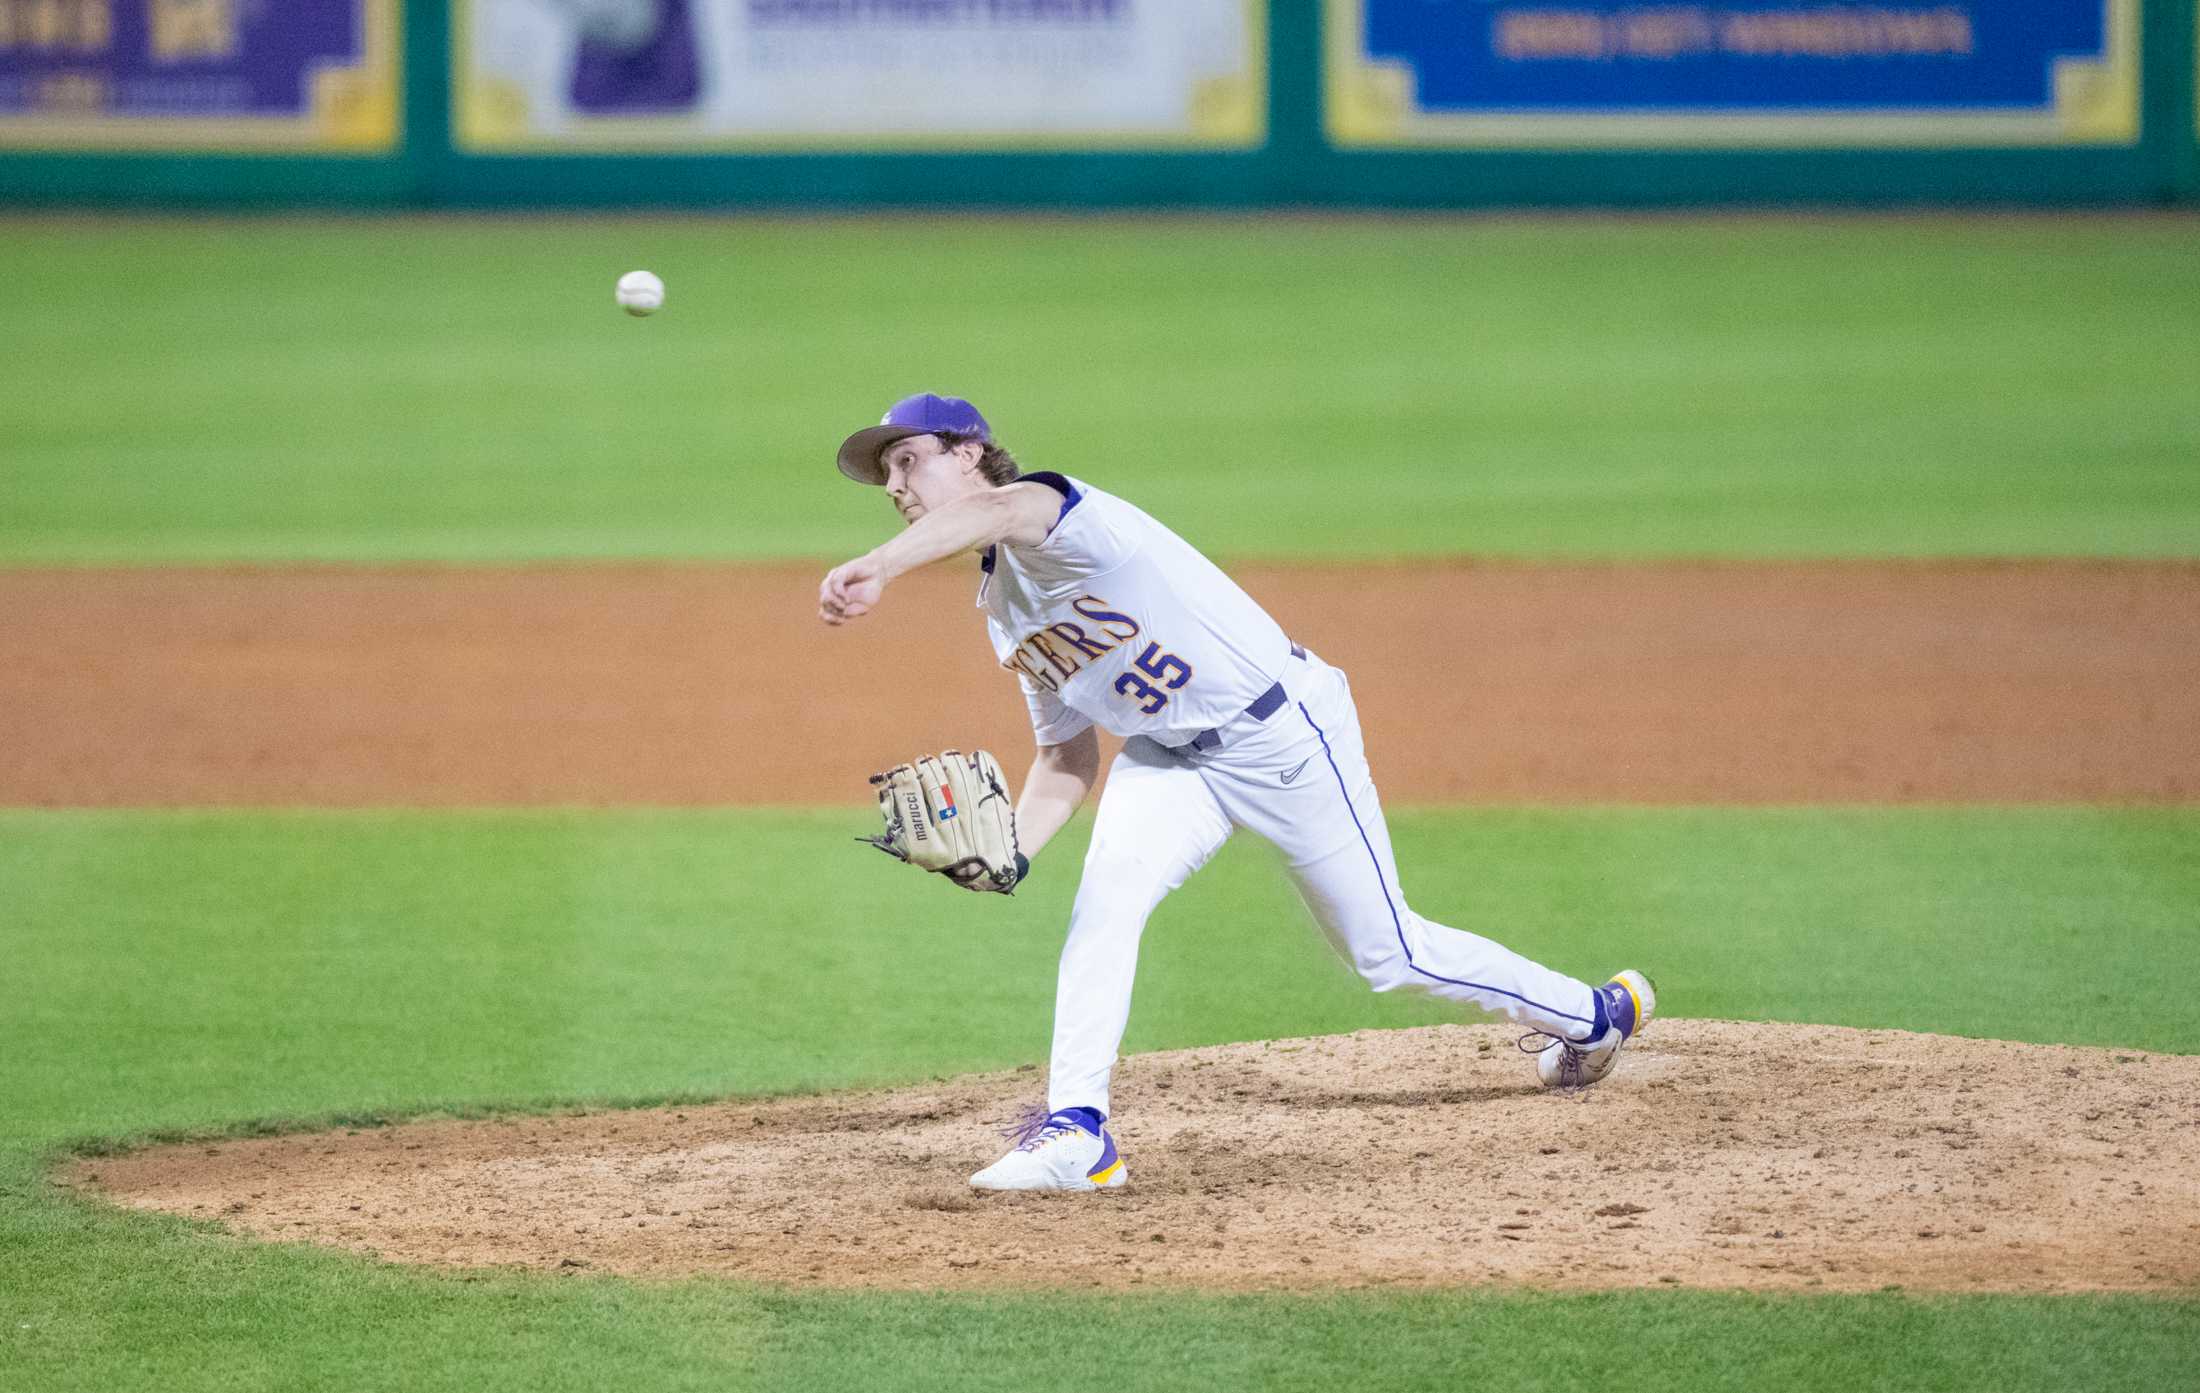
(851, 590)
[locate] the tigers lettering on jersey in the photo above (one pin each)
(1051, 655)
(1113, 620)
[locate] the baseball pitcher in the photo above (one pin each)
(1110, 620)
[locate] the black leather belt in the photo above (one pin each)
(1267, 704)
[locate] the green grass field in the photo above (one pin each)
(398, 389)
(184, 973)
(408, 390)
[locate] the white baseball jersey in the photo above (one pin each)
(1113, 620)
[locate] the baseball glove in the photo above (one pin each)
(950, 813)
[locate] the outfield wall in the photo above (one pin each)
(1342, 104)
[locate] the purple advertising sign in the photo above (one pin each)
(309, 72)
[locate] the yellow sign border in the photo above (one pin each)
(489, 117)
(1371, 105)
(355, 110)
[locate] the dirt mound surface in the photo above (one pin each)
(1719, 1155)
(1651, 683)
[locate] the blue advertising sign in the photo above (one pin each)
(312, 74)
(1746, 72)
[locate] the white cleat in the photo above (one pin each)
(1629, 1002)
(1054, 1152)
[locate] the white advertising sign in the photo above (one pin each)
(589, 75)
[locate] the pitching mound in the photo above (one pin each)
(1720, 1155)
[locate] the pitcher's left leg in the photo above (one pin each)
(1157, 825)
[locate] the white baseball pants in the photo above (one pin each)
(1301, 780)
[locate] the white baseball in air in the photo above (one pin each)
(640, 292)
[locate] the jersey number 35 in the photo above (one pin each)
(1168, 672)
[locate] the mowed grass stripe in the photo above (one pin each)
(145, 1304)
(200, 971)
(405, 389)
(184, 969)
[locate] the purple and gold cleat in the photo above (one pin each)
(1629, 1002)
(1056, 1151)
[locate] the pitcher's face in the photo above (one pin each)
(923, 476)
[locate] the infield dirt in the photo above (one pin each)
(1719, 1155)
(706, 685)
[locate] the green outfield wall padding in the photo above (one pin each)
(2180, 35)
(1295, 165)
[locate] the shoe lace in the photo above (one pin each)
(1545, 1036)
(1569, 1063)
(1036, 1127)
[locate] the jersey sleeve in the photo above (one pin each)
(1053, 721)
(1093, 533)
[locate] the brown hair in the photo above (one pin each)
(995, 464)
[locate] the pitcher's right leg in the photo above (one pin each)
(1354, 892)
(1328, 822)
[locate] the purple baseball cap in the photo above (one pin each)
(922, 414)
